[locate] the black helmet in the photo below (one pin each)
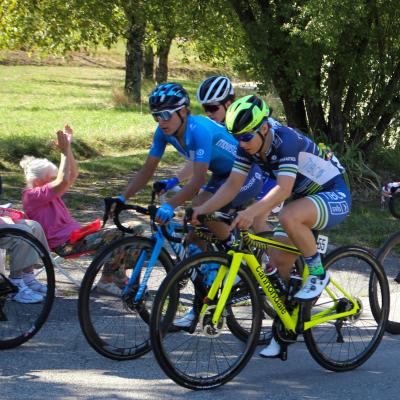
(168, 96)
(215, 89)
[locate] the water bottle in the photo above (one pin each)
(192, 250)
(276, 280)
(179, 250)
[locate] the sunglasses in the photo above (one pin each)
(246, 137)
(164, 115)
(211, 108)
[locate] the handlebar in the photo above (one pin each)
(151, 210)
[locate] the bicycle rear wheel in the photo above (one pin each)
(346, 343)
(203, 356)
(19, 322)
(115, 326)
(389, 256)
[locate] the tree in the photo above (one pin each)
(334, 65)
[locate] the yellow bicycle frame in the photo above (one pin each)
(226, 277)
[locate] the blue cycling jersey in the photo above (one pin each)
(205, 141)
(295, 155)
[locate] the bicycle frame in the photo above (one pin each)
(228, 274)
(159, 241)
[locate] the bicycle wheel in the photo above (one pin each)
(204, 355)
(389, 256)
(115, 326)
(394, 205)
(346, 343)
(19, 322)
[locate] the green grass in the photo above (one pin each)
(367, 225)
(111, 142)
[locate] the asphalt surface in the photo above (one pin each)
(58, 364)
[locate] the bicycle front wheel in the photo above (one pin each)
(389, 256)
(20, 320)
(346, 343)
(202, 355)
(117, 326)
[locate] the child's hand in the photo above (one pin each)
(69, 132)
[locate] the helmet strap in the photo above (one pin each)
(263, 138)
(182, 122)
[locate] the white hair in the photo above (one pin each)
(37, 168)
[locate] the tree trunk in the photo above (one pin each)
(133, 61)
(162, 60)
(148, 66)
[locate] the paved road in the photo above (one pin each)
(58, 364)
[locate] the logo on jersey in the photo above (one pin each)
(257, 175)
(338, 208)
(293, 159)
(200, 152)
(229, 147)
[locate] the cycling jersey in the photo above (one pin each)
(295, 155)
(317, 172)
(205, 141)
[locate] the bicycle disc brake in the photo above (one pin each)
(128, 300)
(206, 325)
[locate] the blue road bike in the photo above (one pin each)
(117, 326)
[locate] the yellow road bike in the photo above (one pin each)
(341, 329)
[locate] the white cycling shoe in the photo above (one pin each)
(186, 320)
(273, 350)
(313, 287)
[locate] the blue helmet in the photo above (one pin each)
(167, 96)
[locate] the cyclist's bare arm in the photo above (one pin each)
(224, 195)
(279, 193)
(186, 172)
(190, 190)
(139, 181)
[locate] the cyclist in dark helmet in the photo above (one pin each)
(204, 143)
(308, 173)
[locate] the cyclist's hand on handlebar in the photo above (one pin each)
(243, 220)
(164, 213)
(164, 185)
(196, 212)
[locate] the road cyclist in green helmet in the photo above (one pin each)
(311, 176)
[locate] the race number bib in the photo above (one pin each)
(322, 244)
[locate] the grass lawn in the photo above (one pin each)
(110, 141)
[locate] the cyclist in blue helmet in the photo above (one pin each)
(205, 144)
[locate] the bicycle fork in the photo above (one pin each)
(229, 277)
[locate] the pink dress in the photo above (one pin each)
(44, 206)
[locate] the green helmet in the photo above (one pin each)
(245, 114)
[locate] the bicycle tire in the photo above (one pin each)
(394, 205)
(23, 321)
(353, 339)
(114, 326)
(389, 257)
(205, 356)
